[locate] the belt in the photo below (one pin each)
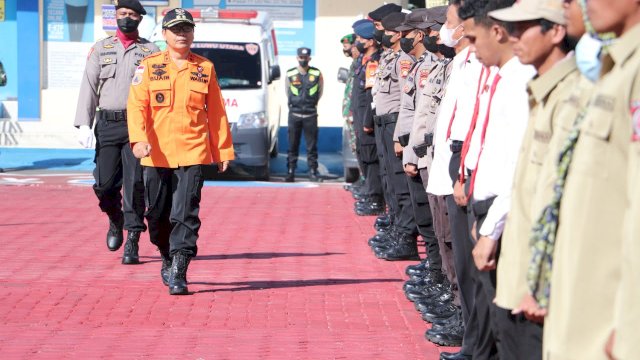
(303, 115)
(481, 208)
(389, 118)
(112, 115)
(377, 120)
(456, 146)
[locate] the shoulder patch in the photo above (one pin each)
(140, 69)
(137, 79)
(370, 74)
(635, 120)
(405, 67)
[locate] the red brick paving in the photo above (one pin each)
(281, 274)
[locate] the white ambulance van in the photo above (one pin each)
(242, 46)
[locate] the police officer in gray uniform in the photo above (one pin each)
(103, 95)
(391, 78)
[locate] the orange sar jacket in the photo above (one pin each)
(179, 112)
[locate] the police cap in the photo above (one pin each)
(303, 51)
(393, 20)
(384, 10)
(436, 17)
(415, 20)
(177, 16)
(130, 4)
(364, 28)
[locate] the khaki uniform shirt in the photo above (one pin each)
(546, 95)
(107, 76)
(390, 79)
(180, 112)
(588, 250)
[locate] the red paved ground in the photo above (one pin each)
(281, 274)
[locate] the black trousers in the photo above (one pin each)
(519, 337)
(389, 198)
(424, 218)
(298, 125)
(116, 169)
(173, 205)
(371, 168)
(404, 219)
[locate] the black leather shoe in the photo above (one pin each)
(130, 255)
(314, 176)
(447, 336)
(291, 176)
(454, 356)
(178, 275)
(115, 235)
(165, 270)
(405, 248)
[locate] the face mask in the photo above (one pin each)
(406, 44)
(430, 43)
(347, 52)
(446, 51)
(446, 35)
(127, 25)
(588, 57)
(386, 40)
(378, 34)
(303, 63)
(361, 47)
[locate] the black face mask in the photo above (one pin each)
(361, 47)
(430, 43)
(378, 34)
(303, 63)
(386, 40)
(128, 25)
(406, 44)
(347, 52)
(446, 51)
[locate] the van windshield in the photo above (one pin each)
(237, 65)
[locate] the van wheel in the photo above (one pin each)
(351, 174)
(261, 173)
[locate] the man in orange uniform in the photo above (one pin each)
(177, 124)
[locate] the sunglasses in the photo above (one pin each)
(184, 29)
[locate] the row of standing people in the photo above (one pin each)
(486, 128)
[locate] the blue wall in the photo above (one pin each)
(29, 55)
(8, 53)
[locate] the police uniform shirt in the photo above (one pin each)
(588, 249)
(386, 56)
(547, 94)
(466, 84)
(390, 80)
(430, 88)
(508, 118)
(408, 97)
(107, 76)
(439, 179)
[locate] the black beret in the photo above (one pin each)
(384, 10)
(393, 20)
(130, 4)
(177, 16)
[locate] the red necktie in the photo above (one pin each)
(455, 108)
(474, 119)
(484, 132)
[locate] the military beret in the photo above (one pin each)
(303, 51)
(177, 16)
(364, 28)
(415, 20)
(348, 38)
(384, 10)
(436, 17)
(130, 4)
(393, 20)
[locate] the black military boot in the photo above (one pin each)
(291, 175)
(447, 336)
(314, 176)
(405, 248)
(383, 222)
(165, 270)
(115, 235)
(178, 275)
(372, 207)
(130, 255)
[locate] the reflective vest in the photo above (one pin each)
(304, 90)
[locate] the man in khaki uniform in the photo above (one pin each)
(543, 43)
(586, 260)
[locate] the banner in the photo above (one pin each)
(68, 20)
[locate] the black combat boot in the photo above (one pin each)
(291, 175)
(374, 206)
(405, 248)
(383, 221)
(178, 275)
(165, 270)
(115, 235)
(130, 255)
(314, 176)
(447, 336)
